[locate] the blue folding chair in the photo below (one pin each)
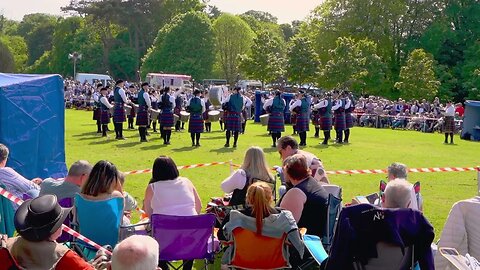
(333, 211)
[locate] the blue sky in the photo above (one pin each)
(284, 10)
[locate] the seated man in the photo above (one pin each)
(399, 171)
(288, 146)
(461, 231)
(39, 223)
(397, 194)
(136, 252)
(70, 185)
(13, 181)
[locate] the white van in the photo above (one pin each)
(92, 78)
(174, 81)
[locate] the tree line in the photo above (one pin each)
(408, 48)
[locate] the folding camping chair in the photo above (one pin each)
(185, 237)
(252, 251)
(100, 221)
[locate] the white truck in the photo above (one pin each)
(174, 81)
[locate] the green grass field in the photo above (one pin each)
(369, 149)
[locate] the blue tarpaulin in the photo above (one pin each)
(32, 124)
(471, 121)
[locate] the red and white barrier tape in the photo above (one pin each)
(401, 116)
(67, 229)
(181, 167)
(415, 170)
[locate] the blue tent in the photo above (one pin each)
(32, 124)
(471, 121)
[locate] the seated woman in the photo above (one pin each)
(39, 223)
(307, 200)
(169, 194)
(254, 168)
(259, 216)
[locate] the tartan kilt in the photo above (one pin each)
(166, 119)
(449, 124)
(195, 124)
(104, 117)
(276, 122)
(119, 113)
(142, 116)
(97, 112)
(339, 121)
(348, 120)
(325, 123)
(316, 119)
(132, 112)
(233, 121)
(302, 122)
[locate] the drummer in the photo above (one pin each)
(144, 104)
(196, 107)
(167, 102)
(301, 106)
(178, 108)
(119, 111)
(96, 107)
(247, 103)
(206, 101)
(154, 101)
(130, 95)
(276, 121)
(233, 106)
(104, 110)
(293, 115)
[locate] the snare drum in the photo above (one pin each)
(112, 109)
(264, 119)
(184, 116)
(135, 107)
(128, 109)
(154, 114)
(175, 118)
(213, 116)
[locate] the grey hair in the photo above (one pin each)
(79, 168)
(397, 170)
(398, 194)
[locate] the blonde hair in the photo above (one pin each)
(259, 197)
(255, 165)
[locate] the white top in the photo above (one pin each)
(105, 102)
(96, 96)
(337, 105)
(461, 231)
(322, 104)
(450, 111)
(348, 103)
(269, 102)
(235, 181)
(121, 92)
(201, 101)
(173, 197)
(16, 183)
(247, 102)
(297, 103)
(228, 99)
(146, 97)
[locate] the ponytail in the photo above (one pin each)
(259, 196)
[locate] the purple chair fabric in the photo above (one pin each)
(65, 237)
(184, 237)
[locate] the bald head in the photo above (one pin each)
(137, 252)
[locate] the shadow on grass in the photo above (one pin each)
(270, 149)
(223, 150)
(183, 149)
(93, 133)
(153, 146)
(102, 140)
(128, 144)
(213, 138)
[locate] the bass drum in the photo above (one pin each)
(213, 116)
(184, 116)
(216, 95)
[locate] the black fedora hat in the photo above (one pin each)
(37, 219)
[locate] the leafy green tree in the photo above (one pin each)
(18, 48)
(261, 16)
(417, 78)
(302, 61)
(264, 62)
(356, 65)
(37, 29)
(42, 65)
(233, 38)
(185, 45)
(7, 63)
